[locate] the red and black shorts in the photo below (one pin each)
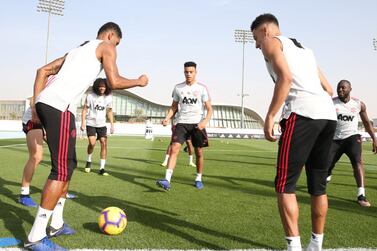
(351, 146)
(101, 132)
(304, 141)
(30, 125)
(60, 130)
(183, 132)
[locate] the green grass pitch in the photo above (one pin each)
(235, 210)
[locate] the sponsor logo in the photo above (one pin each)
(73, 133)
(189, 100)
(288, 241)
(99, 108)
(342, 117)
(42, 216)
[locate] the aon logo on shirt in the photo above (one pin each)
(342, 117)
(189, 100)
(99, 108)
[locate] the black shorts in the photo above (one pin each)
(351, 146)
(30, 125)
(183, 132)
(101, 132)
(61, 134)
(304, 141)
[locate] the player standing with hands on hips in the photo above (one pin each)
(308, 125)
(54, 110)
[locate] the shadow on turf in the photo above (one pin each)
(14, 216)
(161, 220)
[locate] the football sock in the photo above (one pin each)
(190, 158)
(38, 231)
(89, 159)
(360, 191)
(166, 158)
(168, 174)
(293, 243)
(315, 242)
(25, 190)
(57, 215)
(102, 163)
(198, 177)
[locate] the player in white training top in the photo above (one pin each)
(190, 99)
(308, 125)
(54, 110)
(347, 138)
(98, 105)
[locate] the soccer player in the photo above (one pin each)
(308, 125)
(347, 138)
(189, 100)
(75, 72)
(98, 104)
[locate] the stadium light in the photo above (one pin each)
(52, 7)
(375, 44)
(243, 36)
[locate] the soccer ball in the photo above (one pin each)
(112, 220)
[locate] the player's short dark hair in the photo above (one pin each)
(345, 82)
(97, 83)
(264, 18)
(110, 26)
(190, 64)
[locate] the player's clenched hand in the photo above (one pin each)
(165, 122)
(143, 80)
(269, 129)
(201, 125)
(374, 146)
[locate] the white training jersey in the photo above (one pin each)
(191, 99)
(80, 68)
(27, 115)
(97, 107)
(306, 96)
(348, 120)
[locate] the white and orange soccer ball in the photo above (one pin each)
(112, 220)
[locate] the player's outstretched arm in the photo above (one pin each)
(325, 84)
(107, 54)
(368, 126)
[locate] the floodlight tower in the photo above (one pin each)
(52, 7)
(243, 36)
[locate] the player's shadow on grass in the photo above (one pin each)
(14, 216)
(241, 162)
(165, 221)
(151, 162)
(254, 156)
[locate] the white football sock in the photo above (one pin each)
(89, 159)
(57, 215)
(166, 158)
(315, 242)
(360, 191)
(102, 163)
(168, 174)
(25, 190)
(293, 243)
(190, 158)
(38, 231)
(198, 177)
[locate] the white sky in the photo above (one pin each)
(160, 35)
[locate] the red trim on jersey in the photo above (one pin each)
(284, 154)
(50, 80)
(209, 96)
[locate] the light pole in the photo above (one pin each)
(375, 44)
(243, 36)
(52, 7)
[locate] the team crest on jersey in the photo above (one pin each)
(196, 93)
(73, 133)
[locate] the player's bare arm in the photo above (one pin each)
(205, 121)
(83, 117)
(368, 126)
(110, 116)
(106, 53)
(40, 81)
(271, 48)
(171, 112)
(325, 84)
